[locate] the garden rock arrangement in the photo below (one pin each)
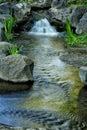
(77, 16)
(26, 14)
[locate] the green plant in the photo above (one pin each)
(73, 39)
(8, 24)
(76, 2)
(13, 49)
(2, 1)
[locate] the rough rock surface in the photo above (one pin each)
(77, 14)
(4, 8)
(83, 74)
(41, 4)
(4, 127)
(21, 10)
(58, 3)
(82, 25)
(4, 46)
(61, 14)
(16, 68)
(1, 32)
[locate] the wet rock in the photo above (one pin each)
(16, 68)
(77, 14)
(4, 46)
(83, 74)
(41, 4)
(4, 8)
(54, 3)
(4, 127)
(4, 12)
(82, 25)
(21, 11)
(61, 14)
(58, 4)
(1, 31)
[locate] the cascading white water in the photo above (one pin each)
(43, 28)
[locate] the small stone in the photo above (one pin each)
(83, 74)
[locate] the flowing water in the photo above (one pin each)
(43, 28)
(57, 99)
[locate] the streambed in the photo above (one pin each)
(56, 99)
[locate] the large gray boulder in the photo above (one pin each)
(61, 14)
(77, 14)
(83, 74)
(21, 10)
(16, 68)
(41, 4)
(82, 25)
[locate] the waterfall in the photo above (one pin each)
(43, 28)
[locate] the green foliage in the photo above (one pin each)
(73, 39)
(76, 2)
(2, 1)
(13, 49)
(8, 24)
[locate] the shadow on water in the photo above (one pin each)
(55, 99)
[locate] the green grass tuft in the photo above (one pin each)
(73, 39)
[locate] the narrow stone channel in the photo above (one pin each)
(56, 100)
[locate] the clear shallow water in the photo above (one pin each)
(55, 97)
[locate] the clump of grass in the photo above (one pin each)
(76, 2)
(13, 49)
(8, 24)
(73, 39)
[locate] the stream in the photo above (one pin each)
(57, 99)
